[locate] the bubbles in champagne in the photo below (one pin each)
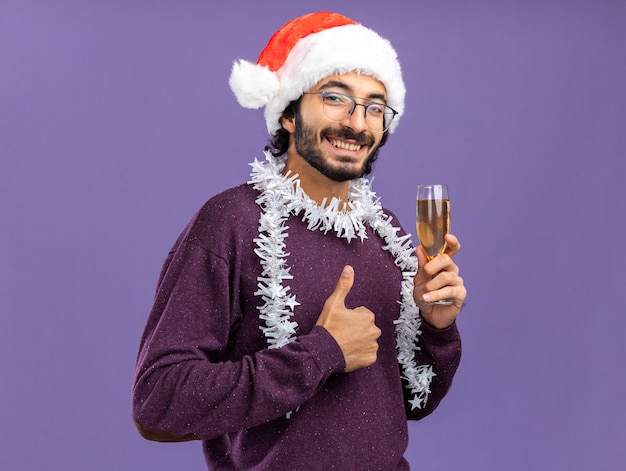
(433, 223)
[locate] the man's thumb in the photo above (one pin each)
(343, 285)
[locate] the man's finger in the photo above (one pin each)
(338, 297)
(452, 244)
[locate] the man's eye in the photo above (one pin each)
(335, 99)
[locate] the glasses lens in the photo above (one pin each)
(378, 116)
(388, 117)
(339, 106)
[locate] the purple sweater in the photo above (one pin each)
(204, 367)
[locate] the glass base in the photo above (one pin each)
(442, 302)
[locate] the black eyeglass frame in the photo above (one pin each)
(386, 125)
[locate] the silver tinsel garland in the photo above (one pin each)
(281, 196)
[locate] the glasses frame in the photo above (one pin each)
(365, 106)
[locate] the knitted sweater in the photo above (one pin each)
(204, 366)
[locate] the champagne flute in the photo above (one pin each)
(432, 218)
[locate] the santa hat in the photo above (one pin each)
(306, 50)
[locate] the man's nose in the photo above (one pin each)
(357, 118)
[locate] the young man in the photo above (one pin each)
(285, 332)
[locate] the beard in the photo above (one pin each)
(307, 146)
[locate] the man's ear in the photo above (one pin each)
(289, 123)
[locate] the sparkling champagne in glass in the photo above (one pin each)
(432, 217)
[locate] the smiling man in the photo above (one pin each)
(285, 332)
(338, 140)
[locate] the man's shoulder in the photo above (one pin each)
(394, 219)
(237, 197)
(228, 212)
(224, 221)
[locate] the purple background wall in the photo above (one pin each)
(116, 123)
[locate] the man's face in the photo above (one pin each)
(343, 150)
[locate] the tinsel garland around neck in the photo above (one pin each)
(281, 197)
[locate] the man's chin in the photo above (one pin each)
(343, 173)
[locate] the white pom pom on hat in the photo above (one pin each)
(307, 49)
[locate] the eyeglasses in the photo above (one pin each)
(339, 106)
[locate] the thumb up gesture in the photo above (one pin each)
(353, 329)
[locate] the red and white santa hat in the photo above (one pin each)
(307, 49)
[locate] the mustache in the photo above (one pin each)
(347, 134)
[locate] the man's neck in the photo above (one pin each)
(316, 185)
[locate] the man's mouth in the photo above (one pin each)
(345, 145)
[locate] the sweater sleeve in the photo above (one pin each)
(186, 385)
(440, 348)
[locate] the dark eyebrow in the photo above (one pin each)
(348, 89)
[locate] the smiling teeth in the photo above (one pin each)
(345, 145)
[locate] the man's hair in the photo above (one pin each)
(280, 140)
